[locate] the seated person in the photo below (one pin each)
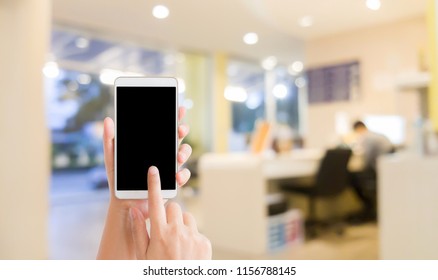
(364, 182)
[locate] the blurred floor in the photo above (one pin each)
(78, 209)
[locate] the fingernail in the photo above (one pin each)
(153, 170)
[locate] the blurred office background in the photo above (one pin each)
(269, 86)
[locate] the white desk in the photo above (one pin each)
(233, 194)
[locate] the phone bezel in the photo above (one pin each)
(144, 82)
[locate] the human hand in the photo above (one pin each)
(173, 234)
(182, 176)
(116, 241)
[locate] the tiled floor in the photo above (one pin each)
(78, 210)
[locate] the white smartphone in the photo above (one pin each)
(146, 134)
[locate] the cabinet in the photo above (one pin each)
(408, 208)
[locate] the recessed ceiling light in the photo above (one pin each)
(250, 38)
(373, 4)
(296, 67)
(269, 63)
(82, 43)
(236, 94)
(51, 69)
(306, 21)
(160, 11)
(280, 91)
(300, 82)
(84, 79)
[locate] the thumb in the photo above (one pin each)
(139, 233)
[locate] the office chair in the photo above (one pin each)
(330, 180)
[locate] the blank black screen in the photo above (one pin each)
(145, 136)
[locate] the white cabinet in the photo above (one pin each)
(408, 207)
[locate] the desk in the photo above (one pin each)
(233, 194)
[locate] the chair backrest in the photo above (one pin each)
(332, 175)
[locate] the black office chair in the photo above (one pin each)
(330, 180)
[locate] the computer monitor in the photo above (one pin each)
(392, 126)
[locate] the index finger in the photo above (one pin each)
(157, 212)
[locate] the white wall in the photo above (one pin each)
(24, 141)
(384, 52)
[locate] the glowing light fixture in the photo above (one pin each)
(280, 91)
(82, 43)
(373, 4)
(254, 101)
(108, 76)
(84, 79)
(236, 94)
(300, 82)
(269, 63)
(306, 21)
(251, 38)
(296, 66)
(160, 11)
(51, 70)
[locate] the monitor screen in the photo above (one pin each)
(392, 126)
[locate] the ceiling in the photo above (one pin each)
(218, 25)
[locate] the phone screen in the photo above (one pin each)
(145, 135)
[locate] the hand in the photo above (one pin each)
(182, 176)
(116, 241)
(173, 234)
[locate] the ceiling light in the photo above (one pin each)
(84, 79)
(250, 38)
(236, 94)
(300, 82)
(82, 43)
(269, 63)
(51, 70)
(280, 91)
(108, 76)
(254, 101)
(160, 11)
(297, 66)
(306, 21)
(373, 4)
(72, 86)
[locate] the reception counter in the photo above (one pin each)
(408, 207)
(234, 187)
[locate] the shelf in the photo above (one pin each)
(412, 81)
